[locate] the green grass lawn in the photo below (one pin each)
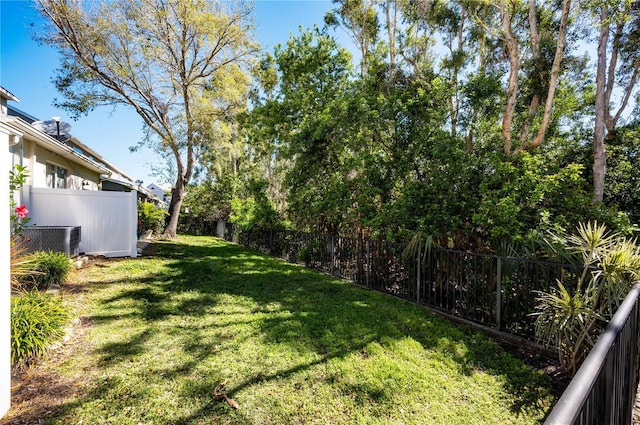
(292, 346)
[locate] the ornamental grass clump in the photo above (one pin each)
(572, 318)
(21, 264)
(51, 268)
(37, 321)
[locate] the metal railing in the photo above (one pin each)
(604, 388)
(491, 290)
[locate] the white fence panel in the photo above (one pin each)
(108, 219)
(5, 288)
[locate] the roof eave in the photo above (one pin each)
(6, 94)
(56, 146)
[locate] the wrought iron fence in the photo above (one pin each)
(604, 389)
(492, 290)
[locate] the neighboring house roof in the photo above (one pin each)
(15, 112)
(87, 151)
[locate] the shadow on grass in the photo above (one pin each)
(303, 309)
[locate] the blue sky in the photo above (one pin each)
(27, 69)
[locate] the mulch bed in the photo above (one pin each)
(38, 391)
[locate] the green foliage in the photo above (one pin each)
(243, 213)
(303, 117)
(207, 202)
(571, 319)
(50, 268)
(381, 153)
(17, 178)
(623, 181)
(254, 211)
(151, 217)
(414, 142)
(527, 193)
(37, 321)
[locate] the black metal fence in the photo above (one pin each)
(491, 290)
(604, 389)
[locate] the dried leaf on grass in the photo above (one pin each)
(219, 394)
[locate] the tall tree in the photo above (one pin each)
(302, 114)
(618, 65)
(359, 18)
(178, 63)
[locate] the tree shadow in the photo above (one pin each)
(304, 310)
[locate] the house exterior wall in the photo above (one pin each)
(161, 192)
(78, 178)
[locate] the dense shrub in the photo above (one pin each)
(150, 217)
(37, 321)
(256, 210)
(51, 268)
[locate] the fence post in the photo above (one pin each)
(419, 278)
(270, 241)
(499, 294)
(368, 261)
(333, 248)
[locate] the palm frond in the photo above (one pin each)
(420, 245)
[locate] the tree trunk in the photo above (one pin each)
(513, 53)
(553, 80)
(599, 154)
(177, 194)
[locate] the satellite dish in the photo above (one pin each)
(50, 127)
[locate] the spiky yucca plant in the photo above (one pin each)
(573, 318)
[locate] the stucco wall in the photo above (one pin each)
(37, 157)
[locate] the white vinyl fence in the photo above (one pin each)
(5, 288)
(108, 219)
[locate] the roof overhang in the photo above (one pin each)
(123, 183)
(54, 145)
(6, 94)
(96, 155)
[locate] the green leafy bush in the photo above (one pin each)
(52, 268)
(150, 217)
(255, 211)
(37, 321)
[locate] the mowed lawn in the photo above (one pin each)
(206, 332)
